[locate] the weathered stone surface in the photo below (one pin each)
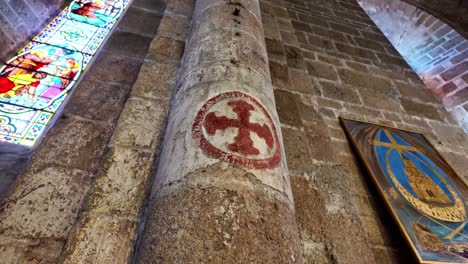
(416, 92)
(319, 142)
(134, 128)
(76, 143)
(229, 46)
(341, 93)
(256, 202)
(270, 26)
(321, 70)
(294, 57)
(450, 135)
(218, 225)
(458, 161)
(98, 100)
(275, 50)
(14, 251)
(279, 74)
(165, 50)
(342, 225)
(150, 4)
(310, 209)
(301, 82)
(358, 79)
(155, 80)
(13, 159)
(366, 88)
(36, 219)
(309, 114)
(287, 108)
(173, 26)
(141, 21)
(119, 237)
(128, 44)
(298, 158)
(121, 186)
(45, 203)
(418, 109)
(181, 7)
(112, 68)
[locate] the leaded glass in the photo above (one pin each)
(34, 83)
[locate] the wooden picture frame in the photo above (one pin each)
(424, 194)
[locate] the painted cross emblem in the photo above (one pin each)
(236, 128)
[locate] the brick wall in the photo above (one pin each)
(451, 12)
(327, 58)
(437, 53)
(22, 19)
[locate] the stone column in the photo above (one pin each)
(222, 190)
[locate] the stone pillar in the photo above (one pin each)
(222, 190)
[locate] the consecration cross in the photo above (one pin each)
(243, 143)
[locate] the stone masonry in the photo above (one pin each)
(39, 213)
(436, 52)
(207, 132)
(328, 59)
(108, 227)
(211, 202)
(20, 19)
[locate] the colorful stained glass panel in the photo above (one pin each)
(97, 13)
(36, 90)
(74, 35)
(22, 127)
(52, 60)
(35, 83)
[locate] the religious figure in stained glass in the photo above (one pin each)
(95, 12)
(35, 83)
(39, 76)
(424, 194)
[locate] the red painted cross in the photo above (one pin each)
(243, 144)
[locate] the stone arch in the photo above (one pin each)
(435, 51)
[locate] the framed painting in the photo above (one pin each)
(422, 191)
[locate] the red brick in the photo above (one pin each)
(455, 71)
(465, 78)
(445, 89)
(457, 98)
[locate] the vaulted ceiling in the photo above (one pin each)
(452, 12)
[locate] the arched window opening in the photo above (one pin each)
(435, 51)
(35, 83)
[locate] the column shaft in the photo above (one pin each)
(222, 190)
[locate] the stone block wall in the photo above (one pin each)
(437, 53)
(41, 210)
(328, 59)
(86, 185)
(22, 19)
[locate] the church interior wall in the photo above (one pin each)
(22, 19)
(41, 209)
(326, 59)
(329, 59)
(434, 50)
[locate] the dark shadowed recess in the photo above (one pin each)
(452, 12)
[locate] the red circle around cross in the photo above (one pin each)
(236, 128)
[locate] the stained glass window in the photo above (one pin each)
(34, 83)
